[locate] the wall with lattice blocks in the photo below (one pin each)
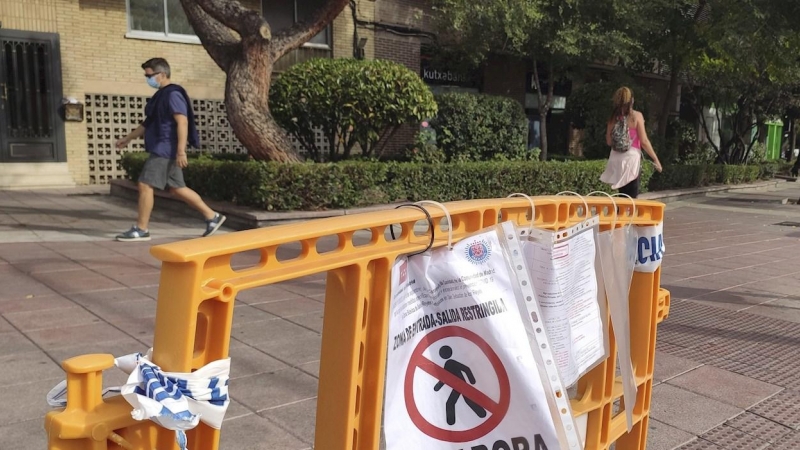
(112, 117)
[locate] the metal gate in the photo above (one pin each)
(30, 97)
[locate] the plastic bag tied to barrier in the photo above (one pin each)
(175, 401)
(618, 253)
(463, 367)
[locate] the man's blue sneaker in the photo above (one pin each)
(134, 234)
(213, 225)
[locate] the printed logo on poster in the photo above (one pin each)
(478, 251)
(403, 272)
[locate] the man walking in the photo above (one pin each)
(167, 129)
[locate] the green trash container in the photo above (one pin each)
(774, 139)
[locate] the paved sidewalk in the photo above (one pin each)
(727, 359)
(728, 356)
(80, 215)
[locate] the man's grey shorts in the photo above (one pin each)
(160, 172)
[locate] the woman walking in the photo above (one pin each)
(626, 135)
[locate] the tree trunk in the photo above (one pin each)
(545, 109)
(543, 131)
(246, 100)
(545, 99)
(241, 43)
(672, 90)
(761, 130)
(789, 131)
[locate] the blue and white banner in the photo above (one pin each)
(176, 401)
(650, 248)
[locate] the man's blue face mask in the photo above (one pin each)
(151, 81)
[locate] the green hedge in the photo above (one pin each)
(479, 127)
(771, 168)
(315, 186)
(681, 176)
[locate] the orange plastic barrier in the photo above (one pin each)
(195, 314)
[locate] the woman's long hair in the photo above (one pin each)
(623, 103)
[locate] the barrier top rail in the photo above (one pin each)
(551, 212)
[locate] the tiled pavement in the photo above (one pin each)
(79, 215)
(727, 361)
(728, 356)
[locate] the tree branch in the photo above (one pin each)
(307, 140)
(385, 140)
(551, 82)
(332, 145)
(302, 32)
(749, 149)
(233, 15)
(698, 109)
(218, 40)
(709, 138)
(349, 143)
(539, 96)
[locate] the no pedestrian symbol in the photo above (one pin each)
(460, 379)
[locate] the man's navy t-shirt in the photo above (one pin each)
(161, 136)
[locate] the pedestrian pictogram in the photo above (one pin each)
(460, 378)
(459, 370)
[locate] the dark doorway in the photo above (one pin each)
(31, 129)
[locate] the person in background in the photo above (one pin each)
(626, 135)
(167, 129)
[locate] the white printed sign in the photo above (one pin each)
(461, 372)
(565, 280)
(650, 248)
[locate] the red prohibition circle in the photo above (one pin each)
(497, 409)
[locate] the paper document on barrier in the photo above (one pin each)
(565, 279)
(461, 372)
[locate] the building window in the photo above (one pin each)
(159, 19)
(282, 14)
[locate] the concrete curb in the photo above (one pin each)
(685, 194)
(239, 217)
(244, 218)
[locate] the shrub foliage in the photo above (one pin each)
(356, 104)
